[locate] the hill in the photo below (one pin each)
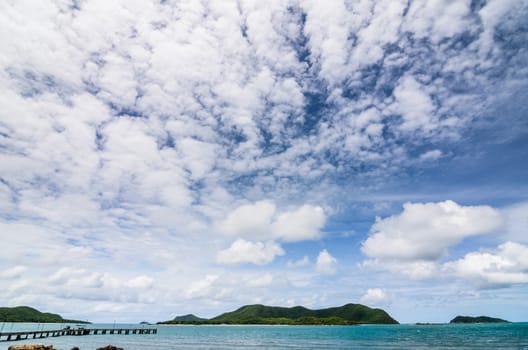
(348, 314)
(29, 314)
(479, 319)
(186, 319)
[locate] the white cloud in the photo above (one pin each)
(117, 80)
(328, 39)
(437, 19)
(251, 220)
(504, 266)
(141, 282)
(13, 273)
(516, 222)
(264, 280)
(416, 270)
(379, 24)
(491, 15)
(95, 286)
(78, 278)
(301, 224)
(424, 231)
(431, 155)
(487, 268)
(261, 220)
(198, 156)
(414, 104)
(236, 287)
(326, 264)
(258, 253)
(202, 288)
(299, 263)
(374, 297)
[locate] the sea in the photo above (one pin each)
(426, 337)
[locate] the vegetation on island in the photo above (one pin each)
(189, 318)
(479, 319)
(29, 314)
(349, 314)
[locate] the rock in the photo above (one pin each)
(31, 347)
(110, 347)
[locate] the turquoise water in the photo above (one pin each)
(477, 336)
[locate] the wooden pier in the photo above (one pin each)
(14, 336)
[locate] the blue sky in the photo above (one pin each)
(163, 158)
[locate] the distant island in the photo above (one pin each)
(29, 314)
(188, 318)
(349, 314)
(479, 319)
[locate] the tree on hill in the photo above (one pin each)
(262, 314)
(479, 319)
(29, 314)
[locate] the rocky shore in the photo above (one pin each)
(31, 347)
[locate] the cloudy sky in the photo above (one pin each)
(159, 158)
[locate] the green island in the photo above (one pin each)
(479, 319)
(29, 314)
(349, 314)
(188, 318)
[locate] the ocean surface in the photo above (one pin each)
(474, 336)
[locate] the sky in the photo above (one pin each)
(160, 158)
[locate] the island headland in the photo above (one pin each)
(29, 314)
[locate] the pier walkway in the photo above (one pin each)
(13, 336)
